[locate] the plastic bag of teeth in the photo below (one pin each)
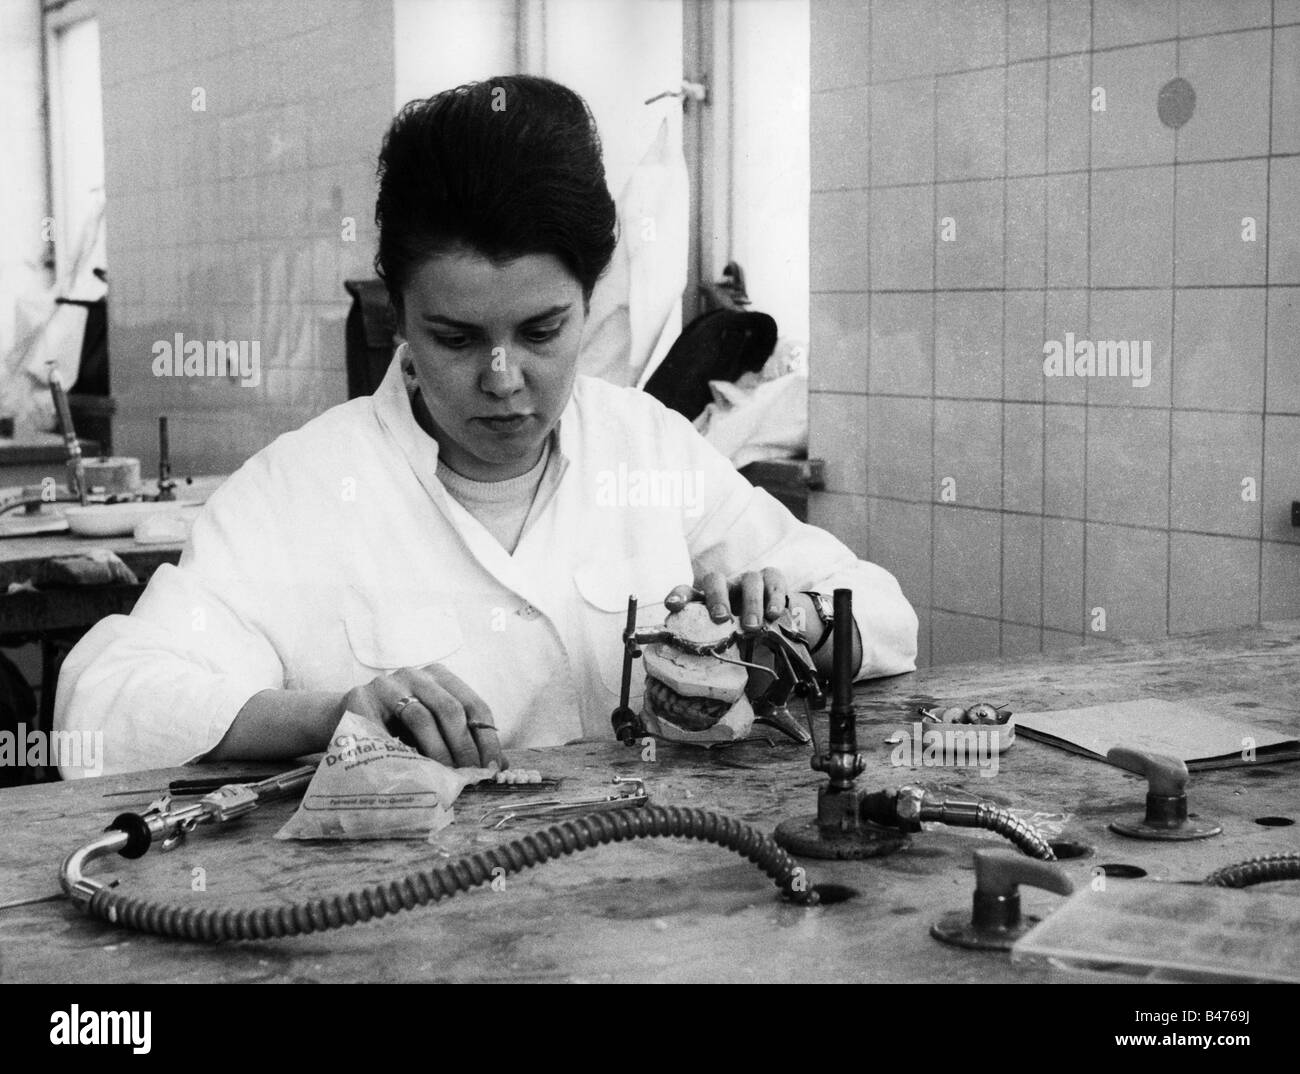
(370, 785)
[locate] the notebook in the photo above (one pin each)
(1199, 737)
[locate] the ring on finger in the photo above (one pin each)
(403, 702)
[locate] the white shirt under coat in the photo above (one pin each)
(335, 555)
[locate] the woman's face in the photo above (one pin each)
(495, 352)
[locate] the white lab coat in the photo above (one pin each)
(335, 555)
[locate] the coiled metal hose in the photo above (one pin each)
(994, 819)
(908, 806)
(1022, 834)
(1257, 871)
(460, 874)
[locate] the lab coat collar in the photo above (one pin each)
(393, 409)
(392, 405)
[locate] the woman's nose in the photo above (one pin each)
(502, 375)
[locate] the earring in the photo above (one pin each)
(401, 353)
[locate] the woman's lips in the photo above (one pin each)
(511, 424)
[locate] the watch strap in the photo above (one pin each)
(826, 614)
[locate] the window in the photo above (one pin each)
(76, 111)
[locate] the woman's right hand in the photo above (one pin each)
(434, 711)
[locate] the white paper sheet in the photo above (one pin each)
(1195, 735)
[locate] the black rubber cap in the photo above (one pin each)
(137, 831)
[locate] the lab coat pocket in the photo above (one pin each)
(405, 638)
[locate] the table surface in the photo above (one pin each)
(666, 910)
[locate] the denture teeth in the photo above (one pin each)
(519, 775)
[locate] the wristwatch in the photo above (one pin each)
(826, 613)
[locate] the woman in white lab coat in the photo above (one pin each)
(453, 555)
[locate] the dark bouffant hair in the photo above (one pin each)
(506, 167)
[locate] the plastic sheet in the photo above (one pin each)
(1165, 931)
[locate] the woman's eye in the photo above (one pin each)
(541, 335)
(452, 342)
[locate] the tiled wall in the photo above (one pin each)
(230, 222)
(1021, 511)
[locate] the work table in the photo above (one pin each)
(669, 910)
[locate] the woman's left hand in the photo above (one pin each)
(753, 597)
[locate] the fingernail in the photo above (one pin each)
(774, 610)
(720, 611)
(750, 622)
